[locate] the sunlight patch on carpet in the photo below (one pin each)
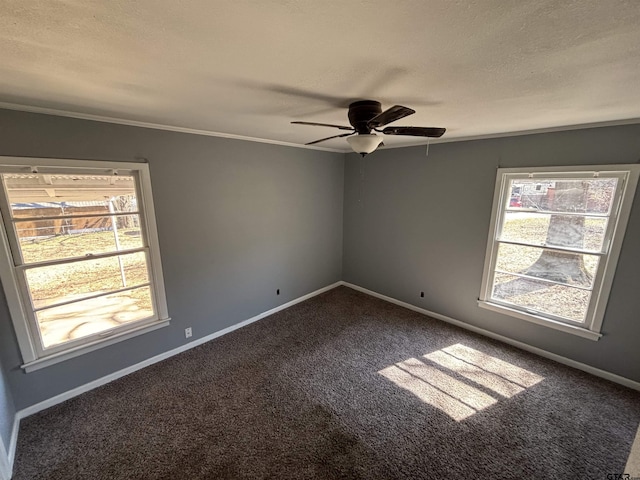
(477, 372)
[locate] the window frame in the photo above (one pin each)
(610, 251)
(34, 354)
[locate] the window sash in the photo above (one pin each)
(114, 243)
(538, 313)
(564, 214)
(92, 296)
(22, 271)
(13, 273)
(538, 279)
(93, 256)
(70, 344)
(627, 176)
(613, 214)
(71, 216)
(554, 248)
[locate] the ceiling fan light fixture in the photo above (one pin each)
(364, 143)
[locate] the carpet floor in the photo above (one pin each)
(342, 386)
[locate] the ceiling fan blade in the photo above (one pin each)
(390, 115)
(329, 138)
(415, 131)
(341, 127)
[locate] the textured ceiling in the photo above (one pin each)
(250, 67)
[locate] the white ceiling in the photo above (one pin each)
(250, 67)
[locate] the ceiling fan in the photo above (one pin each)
(365, 117)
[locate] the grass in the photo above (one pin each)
(73, 281)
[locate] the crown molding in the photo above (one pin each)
(517, 133)
(209, 133)
(155, 126)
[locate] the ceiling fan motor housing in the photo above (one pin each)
(360, 113)
(366, 116)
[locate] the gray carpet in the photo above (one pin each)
(340, 386)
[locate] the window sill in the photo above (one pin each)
(529, 317)
(95, 345)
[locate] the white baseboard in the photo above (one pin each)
(8, 453)
(523, 346)
(14, 439)
(5, 465)
(13, 443)
(50, 402)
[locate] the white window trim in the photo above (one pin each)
(605, 274)
(17, 308)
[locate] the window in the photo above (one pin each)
(554, 242)
(80, 264)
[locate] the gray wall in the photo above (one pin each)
(415, 223)
(236, 221)
(7, 409)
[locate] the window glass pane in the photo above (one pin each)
(42, 240)
(43, 195)
(72, 281)
(76, 320)
(585, 195)
(569, 268)
(583, 233)
(559, 300)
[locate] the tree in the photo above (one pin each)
(564, 231)
(124, 203)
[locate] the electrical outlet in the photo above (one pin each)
(188, 332)
(422, 294)
(278, 292)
